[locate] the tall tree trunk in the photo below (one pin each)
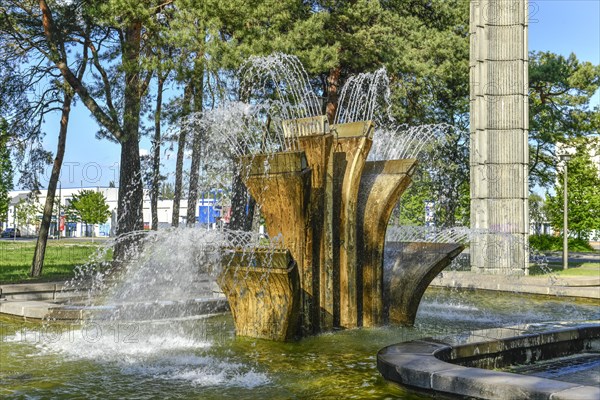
(194, 175)
(333, 95)
(130, 182)
(40, 247)
(154, 192)
(242, 206)
(196, 143)
(131, 192)
(187, 98)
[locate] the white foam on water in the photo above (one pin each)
(167, 357)
(449, 306)
(199, 371)
(109, 345)
(228, 375)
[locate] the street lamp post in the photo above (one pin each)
(565, 157)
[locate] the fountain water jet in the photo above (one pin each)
(330, 205)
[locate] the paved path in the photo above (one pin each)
(574, 258)
(572, 286)
(55, 300)
(37, 300)
(41, 300)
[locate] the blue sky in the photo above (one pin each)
(560, 26)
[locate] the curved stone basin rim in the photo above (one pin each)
(434, 364)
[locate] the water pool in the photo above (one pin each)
(191, 358)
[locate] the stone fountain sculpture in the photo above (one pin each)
(331, 206)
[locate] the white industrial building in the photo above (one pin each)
(80, 229)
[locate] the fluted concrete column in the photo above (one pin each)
(499, 127)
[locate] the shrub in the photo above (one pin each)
(555, 243)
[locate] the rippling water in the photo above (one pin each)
(201, 357)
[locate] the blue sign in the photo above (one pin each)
(208, 210)
(208, 214)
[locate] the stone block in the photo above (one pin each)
(12, 308)
(485, 384)
(499, 147)
(499, 251)
(480, 346)
(28, 288)
(412, 347)
(499, 12)
(506, 78)
(559, 336)
(505, 112)
(504, 216)
(504, 42)
(412, 363)
(499, 181)
(499, 112)
(419, 372)
(577, 393)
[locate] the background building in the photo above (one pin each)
(208, 212)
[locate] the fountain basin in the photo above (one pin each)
(354, 129)
(455, 364)
(186, 358)
(410, 268)
(261, 165)
(263, 290)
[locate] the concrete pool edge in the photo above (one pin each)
(59, 301)
(433, 364)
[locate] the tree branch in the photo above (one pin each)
(71, 79)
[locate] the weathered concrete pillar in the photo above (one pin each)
(318, 149)
(283, 192)
(381, 185)
(499, 127)
(263, 290)
(351, 148)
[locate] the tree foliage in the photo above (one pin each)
(560, 90)
(27, 211)
(583, 193)
(90, 207)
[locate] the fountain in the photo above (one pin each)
(331, 205)
(329, 261)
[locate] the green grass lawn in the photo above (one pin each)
(585, 269)
(61, 259)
